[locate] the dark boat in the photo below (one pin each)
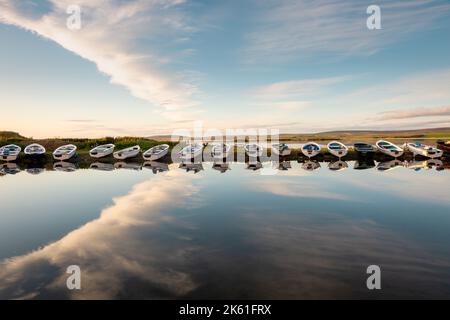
(364, 148)
(444, 146)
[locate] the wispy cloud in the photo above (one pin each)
(298, 28)
(414, 113)
(122, 38)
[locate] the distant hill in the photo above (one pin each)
(6, 135)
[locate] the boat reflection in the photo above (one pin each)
(127, 165)
(389, 165)
(254, 166)
(338, 165)
(195, 167)
(222, 167)
(363, 164)
(64, 166)
(35, 171)
(155, 166)
(9, 168)
(311, 165)
(102, 166)
(283, 165)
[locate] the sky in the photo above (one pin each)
(149, 67)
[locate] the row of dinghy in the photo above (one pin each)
(222, 150)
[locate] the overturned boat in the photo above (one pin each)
(191, 151)
(364, 148)
(9, 152)
(281, 149)
(220, 150)
(65, 152)
(102, 150)
(311, 149)
(34, 149)
(253, 150)
(127, 153)
(337, 149)
(389, 148)
(156, 152)
(418, 148)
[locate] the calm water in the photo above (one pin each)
(238, 234)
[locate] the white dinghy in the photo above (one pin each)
(156, 152)
(9, 152)
(389, 148)
(281, 149)
(311, 149)
(65, 152)
(220, 150)
(191, 151)
(253, 150)
(418, 148)
(337, 149)
(338, 165)
(102, 150)
(126, 153)
(34, 149)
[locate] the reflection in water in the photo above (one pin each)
(35, 171)
(155, 166)
(254, 165)
(311, 165)
(283, 165)
(102, 166)
(180, 236)
(337, 165)
(364, 163)
(195, 167)
(389, 165)
(9, 168)
(222, 167)
(64, 166)
(127, 165)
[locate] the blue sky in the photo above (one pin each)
(149, 67)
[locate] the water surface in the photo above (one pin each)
(235, 234)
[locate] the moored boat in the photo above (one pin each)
(65, 152)
(418, 148)
(191, 151)
(127, 153)
(364, 148)
(34, 149)
(311, 149)
(253, 150)
(389, 148)
(102, 150)
(156, 152)
(444, 146)
(220, 150)
(9, 152)
(337, 148)
(281, 149)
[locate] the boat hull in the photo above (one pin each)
(429, 153)
(94, 153)
(311, 149)
(127, 153)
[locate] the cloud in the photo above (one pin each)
(122, 38)
(287, 29)
(414, 113)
